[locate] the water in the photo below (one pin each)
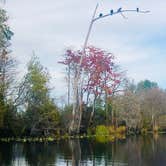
(134, 151)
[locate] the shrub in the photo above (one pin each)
(111, 129)
(144, 131)
(90, 131)
(120, 136)
(102, 139)
(102, 130)
(121, 129)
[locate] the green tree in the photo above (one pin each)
(145, 85)
(6, 64)
(42, 115)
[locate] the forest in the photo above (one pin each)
(101, 99)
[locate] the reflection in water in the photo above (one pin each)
(76, 151)
(134, 151)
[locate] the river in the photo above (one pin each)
(134, 151)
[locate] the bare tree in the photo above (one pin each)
(153, 105)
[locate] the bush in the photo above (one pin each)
(121, 129)
(65, 119)
(144, 131)
(102, 130)
(90, 131)
(111, 129)
(99, 117)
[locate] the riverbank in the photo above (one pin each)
(99, 138)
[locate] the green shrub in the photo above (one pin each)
(102, 130)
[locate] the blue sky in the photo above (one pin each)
(48, 27)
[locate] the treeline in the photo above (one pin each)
(99, 95)
(26, 107)
(30, 111)
(142, 107)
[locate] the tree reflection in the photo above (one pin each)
(76, 152)
(6, 154)
(40, 154)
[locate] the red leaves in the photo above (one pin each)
(98, 67)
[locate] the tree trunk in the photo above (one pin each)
(92, 112)
(76, 114)
(106, 108)
(77, 111)
(68, 85)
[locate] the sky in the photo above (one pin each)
(49, 27)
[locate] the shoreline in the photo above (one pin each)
(116, 136)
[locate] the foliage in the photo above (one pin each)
(153, 106)
(102, 130)
(65, 117)
(2, 111)
(128, 109)
(111, 129)
(41, 113)
(140, 109)
(7, 64)
(98, 75)
(97, 68)
(91, 131)
(99, 117)
(145, 85)
(121, 129)
(5, 32)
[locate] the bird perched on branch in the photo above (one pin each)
(111, 12)
(119, 10)
(101, 14)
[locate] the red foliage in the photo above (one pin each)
(98, 66)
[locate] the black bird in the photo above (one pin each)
(111, 12)
(137, 9)
(101, 14)
(119, 10)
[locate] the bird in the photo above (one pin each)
(111, 12)
(137, 9)
(101, 14)
(119, 10)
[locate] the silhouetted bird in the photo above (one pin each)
(137, 9)
(111, 12)
(101, 14)
(119, 10)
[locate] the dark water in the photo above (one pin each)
(134, 151)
